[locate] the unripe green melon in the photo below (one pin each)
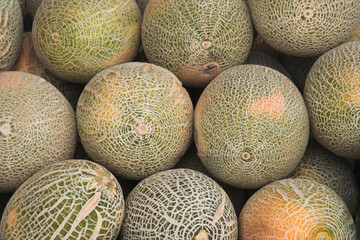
(292, 209)
(72, 199)
(320, 165)
(136, 119)
(305, 28)
(251, 126)
(77, 39)
(196, 40)
(11, 30)
(179, 204)
(332, 96)
(37, 127)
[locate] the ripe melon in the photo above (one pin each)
(37, 127)
(320, 165)
(11, 29)
(179, 204)
(28, 62)
(251, 126)
(332, 96)
(305, 28)
(136, 119)
(72, 199)
(77, 39)
(196, 40)
(296, 209)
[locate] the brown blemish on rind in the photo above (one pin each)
(308, 13)
(56, 37)
(245, 156)
(202, 235)
(206, 45)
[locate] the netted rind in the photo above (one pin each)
(305, 28)
(196, 40)
(11, 30)
(251, 126)
(77, 39)
(37, 127)
(296, 209)
(72, 199)
(324, 167)
(332, 97)
(179, 204)
(136, 119)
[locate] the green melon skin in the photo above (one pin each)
(196, 40)
(305, 28)
(179, 204)
(37, 127)
(320, 165)
(72, 199)
(332, 97)
(296, 209)
(251, 126)
(135, 119)
(77, 39)
(11, 30)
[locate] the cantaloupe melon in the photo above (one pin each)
(251, 126)
(320, 165)
(11, 29)
(196, 39)
(296, 209)
(179, 204)
(37, 127)
(72, 199)
(305, 28)
(332, 96)
(77, 39)
(136, 119)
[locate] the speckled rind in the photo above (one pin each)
(179, 204)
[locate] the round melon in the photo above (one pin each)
(305, 28)
(251, 126)
(196, 40)
(77, 39)
(72, 199)
(37, 127)
(333, 99)
(320, 165)
(296, 209)
(28, 62)
(11, 29)
(179, 204)
(136, 119)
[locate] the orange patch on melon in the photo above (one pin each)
(352, 97)
(272, 106)
(11, 219)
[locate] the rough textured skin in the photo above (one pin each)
(332, 95)
(28, 62)
(196, 40)
(251, 126)
(37, 127)
(11, 29)
(296, 209)
(136, 119)
(324, 167)
(72, 199)
(355, 36)
(77, 39)
(305, 28)
(179, 204)
(32, 6)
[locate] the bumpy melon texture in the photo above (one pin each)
(73, 199)
(136, 119)
(305, 28)
(196, 40)
(11, 29)
(37, 127)
(332, 95)
(77, 39)
(296, 209)
(251, 126)
(179, 204)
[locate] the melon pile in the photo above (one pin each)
(170, 119)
